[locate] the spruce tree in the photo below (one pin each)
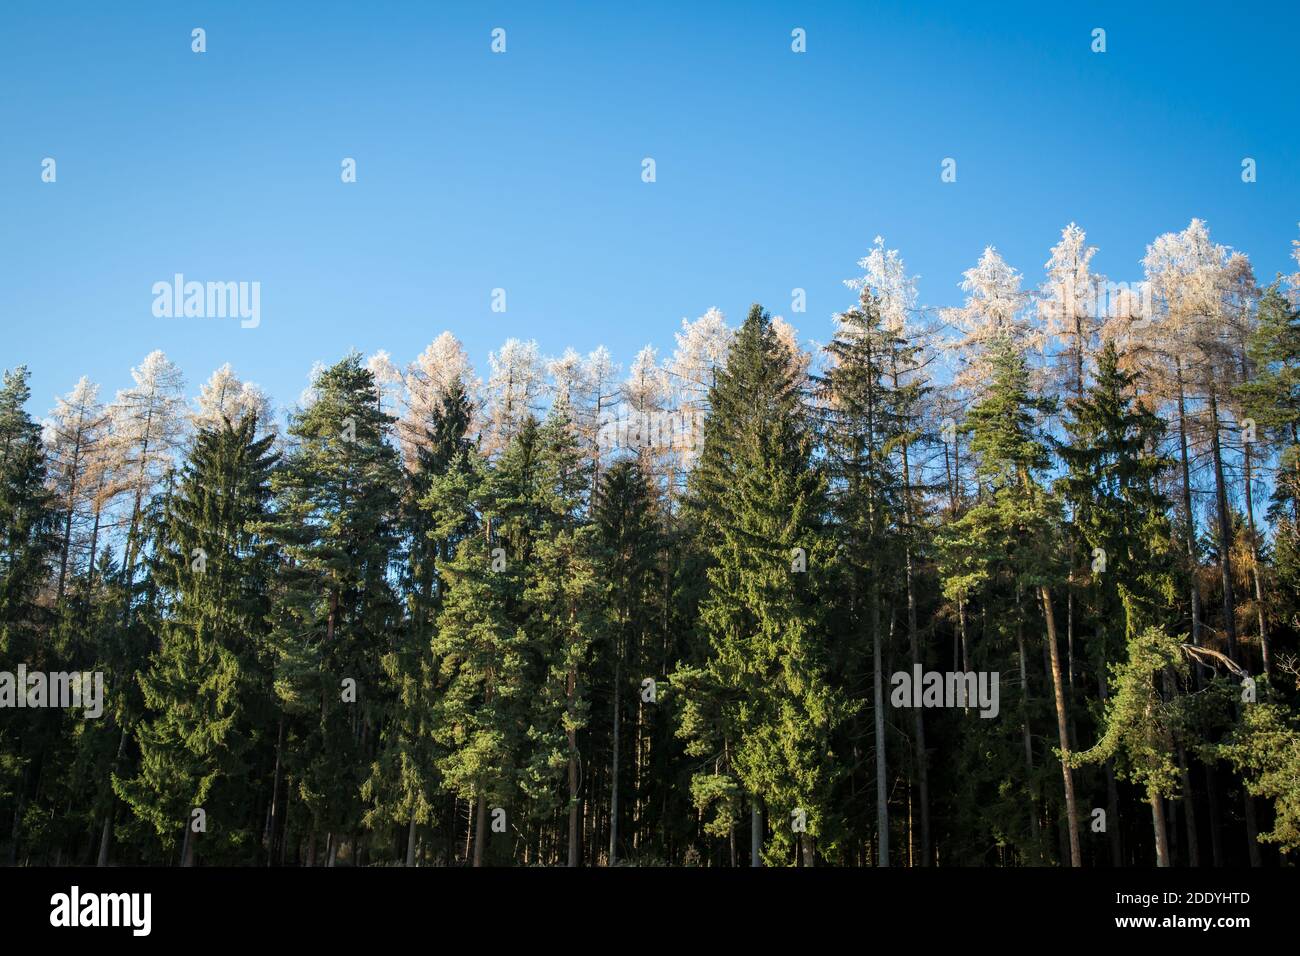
(336, 611)
(759, 707)
(403, 784)
(631, 542)
(566, 614)
(481, 644)
(866, 426)
(29, 542)
(1007, 541)
(206, 689)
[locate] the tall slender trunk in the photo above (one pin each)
(1189, 806)
(1252, 828)
(755, 832)
(1225, 530)
(1158, 825)
(106, 835)
(480, 826)
(1193, 566)
(272, 819)
(1254, 561)
(1072, 818)
(1112, 789)
(878, 696)
(571, 692)
(613, 780)
(67, 518)
(1028, 738)
(913, 638)
(1192, 561)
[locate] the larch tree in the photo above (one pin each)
(149, 422)
(514, 391)
(75, 436)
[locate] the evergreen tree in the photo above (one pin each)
(403, 783)
(29, 542)
(867, 424)
(759, 707)
(566, 614)
(1004, 546)
(631, 543)
(336, 611)
(480, 720)
(207, 686)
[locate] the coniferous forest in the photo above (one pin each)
(1012, 583)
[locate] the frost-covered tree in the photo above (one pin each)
(701, 352)
(224, 397)
(75, 435)
(441, 369)
(388, 379)
(1069, 300)
(515, 388)
(148, 427)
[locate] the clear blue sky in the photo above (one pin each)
(522, 170)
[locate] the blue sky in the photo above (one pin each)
(523, 171)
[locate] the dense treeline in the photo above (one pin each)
(564, 617)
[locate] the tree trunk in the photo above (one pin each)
(755, 833)
(913, 638)
(1063, 735)
(613, 780)
(275, 795)
(1112, 789)
(878, 696)
(480, 827)
(1225, 531)
(1158, 824)
(1189, 805)
(573, 770)
(1254, 562)
(1252, 828)
(1192, 562)
(1028, 738)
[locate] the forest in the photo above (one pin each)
(673, 614)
